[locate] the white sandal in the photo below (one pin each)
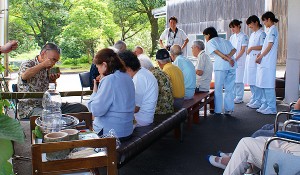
(212, 160)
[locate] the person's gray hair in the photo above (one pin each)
(120, 45)
(140, 47)
(199, 43)
(164, 61)
(176, 50)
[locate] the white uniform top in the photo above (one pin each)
(256, 39)
(238, 41)
(223, 46)
(266, 70)
(169, 36)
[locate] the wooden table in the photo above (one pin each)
(25, 95)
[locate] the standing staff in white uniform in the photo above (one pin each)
(256, 41)
(173, 35)
(224, 68)
(239, 40)
(266, 68)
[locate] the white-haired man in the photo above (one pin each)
(204, 67)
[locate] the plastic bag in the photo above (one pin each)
(111, 134)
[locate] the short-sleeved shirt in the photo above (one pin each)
(165, 98)
(204, 64)
(238, 41)
(269, 60)
(177, 80)
(169, 36)
(224, 46)
(189, 75)
(38, 83)
(145, 61)
(146, 94)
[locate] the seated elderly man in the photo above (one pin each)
(175, 74)
(120, 46)
(165, 98)
(204, 67)
(34, 76)
(187, 68)
(144, 59)
(146, 89)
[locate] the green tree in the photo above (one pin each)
(41, 19)
(129, 21)
(85, 23)
(144, 7)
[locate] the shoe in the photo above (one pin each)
(250, 102)
(237, 101)
(262, 107)
(218, 114)
(254, 106)
(221, 154)
(268, 111)
(212, 160)
(228, 113)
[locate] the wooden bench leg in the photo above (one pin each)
(212, 104)
(178, 132)
(181, 131)
(196, 117)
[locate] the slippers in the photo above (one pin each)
(212, 161)
(222, 154)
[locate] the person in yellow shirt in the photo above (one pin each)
(175, 75)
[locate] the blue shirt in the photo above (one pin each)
(113, 104)
(223, 46)
(189, 75)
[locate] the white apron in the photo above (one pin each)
(266, 70)
(237, 42)
(250, 65)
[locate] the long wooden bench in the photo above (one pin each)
(196, 103)
(142, 137)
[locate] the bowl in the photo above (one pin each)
(68, 122)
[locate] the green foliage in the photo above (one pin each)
(38, 132)
(10, 129)
(72, 47)
(42, 19)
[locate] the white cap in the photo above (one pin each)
(51, 86)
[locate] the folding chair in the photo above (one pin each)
(277, 161)
(85, 82)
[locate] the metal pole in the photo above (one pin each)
(6, 61)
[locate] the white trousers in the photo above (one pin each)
(239, 91)
(250, 151)
(270, 98)
(226, 79)
(256, 94)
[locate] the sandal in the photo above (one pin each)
(212, 160)
(222, 154)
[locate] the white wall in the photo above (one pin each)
(293, 52)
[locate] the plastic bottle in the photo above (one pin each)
(51, 115)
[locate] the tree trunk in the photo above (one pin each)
(154, 32)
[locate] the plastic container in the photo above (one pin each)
(51, 115)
